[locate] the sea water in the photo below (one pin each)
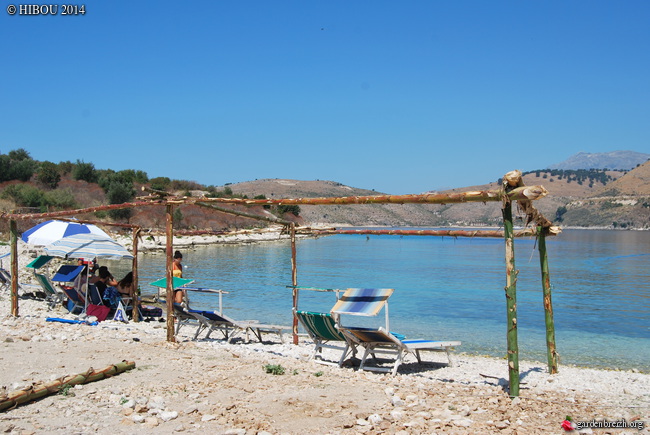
(449, 288)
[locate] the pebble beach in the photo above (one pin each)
(211, 386)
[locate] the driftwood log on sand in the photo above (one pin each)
(38, 391)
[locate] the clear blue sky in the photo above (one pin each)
(400, 97)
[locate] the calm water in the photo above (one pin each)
(448, 288)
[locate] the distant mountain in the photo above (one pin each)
(622, 160)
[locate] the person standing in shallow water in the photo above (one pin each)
(177, 272)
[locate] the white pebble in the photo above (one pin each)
(168, 415)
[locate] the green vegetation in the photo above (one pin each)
(178, 218)
(48, 175)
(85, 172)
(17, 165)
(294, 209)
(24, 195)
(64, 390)
(274, 369)
(577, 175)
(160, 183)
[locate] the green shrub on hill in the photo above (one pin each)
(24, 195)
(16, 165)
(85, 172)
(48, 175)
(160, 183)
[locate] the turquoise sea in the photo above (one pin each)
(450, 288)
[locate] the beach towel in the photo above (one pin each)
(111, 297)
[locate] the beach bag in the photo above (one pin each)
(150, 311)
(120, 313)
(99, 311)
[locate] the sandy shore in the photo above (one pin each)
(209, 386)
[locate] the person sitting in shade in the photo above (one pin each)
(125, 286)
(104, 280)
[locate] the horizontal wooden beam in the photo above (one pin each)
(526, 232)
(521, 193)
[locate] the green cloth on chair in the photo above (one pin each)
(39, 261)
(322, 329)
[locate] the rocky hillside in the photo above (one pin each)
(623, 203)
(584, 199)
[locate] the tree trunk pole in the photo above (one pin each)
(14, 267)
(170, 276)
(16, 398)
(294, 282)
(134, 286)
(511, 300)
(551, 351)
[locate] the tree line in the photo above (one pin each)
(580, 176)
(119, 186)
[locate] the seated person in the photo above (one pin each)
(125, 285)
(104, 281)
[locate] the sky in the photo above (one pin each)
(399, 97)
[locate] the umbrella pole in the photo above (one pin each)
(87, 292)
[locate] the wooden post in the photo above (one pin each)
(511, 300)
(551, 351)
(14, 267)
(134, 287)
(294, 282)
(170, 276)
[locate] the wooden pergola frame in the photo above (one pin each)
(512, 189)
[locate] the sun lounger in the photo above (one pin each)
(5, 283)
(369, 302)
(233, 328)
(76, 300)
(380, 341)
(183, 317)
(322, 329)
(213, 321)
(52, 294)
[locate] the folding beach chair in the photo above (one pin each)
(380, 341)
(183, 317)
(52, 295)
(368, 302)
(232, 328)
(322, 329)
(5, 283)
(75, 299)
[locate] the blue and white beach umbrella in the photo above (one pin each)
(88, 246)
(48, 232)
